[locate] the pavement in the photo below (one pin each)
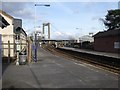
(51, 71)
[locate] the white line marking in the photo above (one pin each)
(80, 64)
(98, 68)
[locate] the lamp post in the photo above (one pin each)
(46, 5)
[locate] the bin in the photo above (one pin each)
(22, 58)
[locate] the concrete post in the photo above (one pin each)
(29, 51)
(48, 30)
(43, 29)
(17, 62)
(8, 51)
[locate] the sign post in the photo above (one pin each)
(17, 48)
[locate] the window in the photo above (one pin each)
(117, 45)
(17, 37)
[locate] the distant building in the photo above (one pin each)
(86, 38)
(107, 41)
(10, 32)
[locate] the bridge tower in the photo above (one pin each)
(48, 25)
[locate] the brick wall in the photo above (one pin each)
(106, 44)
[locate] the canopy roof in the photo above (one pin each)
(3, 22)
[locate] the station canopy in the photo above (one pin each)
(3, 22)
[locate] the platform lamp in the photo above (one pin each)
(35, 50)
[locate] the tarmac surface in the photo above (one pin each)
(51, 71)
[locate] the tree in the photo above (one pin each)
(112, 19)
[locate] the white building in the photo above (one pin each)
(86, 38)
(9, 34)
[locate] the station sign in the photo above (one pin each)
(18, 47)
(17, 41)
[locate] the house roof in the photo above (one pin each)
(4, 13)
(20, 30)
(3, 22)
(108, 33)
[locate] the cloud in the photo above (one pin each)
(65, 8)
(21, 10)
(63, 35)
(95, 18)
(17, 9)
(58, 33)
(10, 7)
(24, 13)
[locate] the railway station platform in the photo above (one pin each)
(113, 55)
(52, 71)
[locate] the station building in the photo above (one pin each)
(107, 41)
(9, 34)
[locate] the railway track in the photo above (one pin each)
(98, 62)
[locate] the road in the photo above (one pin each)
(51, 71)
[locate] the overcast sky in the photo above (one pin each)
(67, 18)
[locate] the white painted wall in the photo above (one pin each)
(7, 35)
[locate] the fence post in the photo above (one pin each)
(29, 51)
(8, 51)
